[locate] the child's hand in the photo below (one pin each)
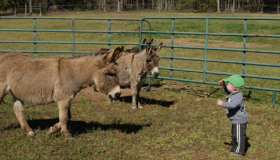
(222, 82)
(219, 102)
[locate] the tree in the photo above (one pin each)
(119, 6)
(30, 7)
(218, 6)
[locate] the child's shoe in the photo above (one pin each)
(236, 154)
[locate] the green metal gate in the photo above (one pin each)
(206, 49)
(73, 31)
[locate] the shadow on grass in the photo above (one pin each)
(143, 100)
(80, 127)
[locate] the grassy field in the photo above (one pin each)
(179, 121)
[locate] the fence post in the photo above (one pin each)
(244, 45)
(109, 34)
(35, 37)
(73, 37)
(205, 50)
(171, 52)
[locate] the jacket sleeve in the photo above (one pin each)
(234, 102)
(225, 89)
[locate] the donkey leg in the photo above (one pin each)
(138, 97)
(57, 126)
(134, 98)
(2, 92)
(54, 128)
(18, 109)
(64, 116)
(138, 101)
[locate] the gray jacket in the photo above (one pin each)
(236, 111)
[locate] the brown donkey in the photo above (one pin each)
(134, 67)
(45, 80)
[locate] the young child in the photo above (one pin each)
(236, 112)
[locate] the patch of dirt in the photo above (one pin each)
(212, 43)
(198, 90)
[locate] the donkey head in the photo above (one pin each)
(107, 80)
(152, 58)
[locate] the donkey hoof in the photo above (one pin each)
(70, 138)
(50, 131)
(140, 107)
(111, 102)
(134, 107)
(30, 133)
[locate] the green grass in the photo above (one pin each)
(180, 119)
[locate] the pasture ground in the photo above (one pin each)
(179, 120)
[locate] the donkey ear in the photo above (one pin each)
(144, 41)
(152, 41)
(116, 54)
(158, 47)
(149, 48)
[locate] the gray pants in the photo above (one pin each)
(238, 134)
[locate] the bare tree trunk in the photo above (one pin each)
(261, 6)
(218, 6)
(119, 7)
(143, 4)
(152, 4)
(159, 5)
(225, 5)
(238, 4)
(30, 7)
(233, 6)
(137, 4)
(104, 5)
(179, 5)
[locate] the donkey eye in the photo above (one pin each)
(110, 74)
(148, 61)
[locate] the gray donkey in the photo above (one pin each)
(134, 66)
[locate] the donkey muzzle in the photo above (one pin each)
(115, 93)
(155, 72)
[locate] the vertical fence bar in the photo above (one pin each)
(35, 37)
(244, 45)
(171, 53)
(73, 37)
(109, 34)
(140, 35)
(273, 99)
(139, 46)
(205, 51)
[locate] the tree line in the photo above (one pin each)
(125, 5)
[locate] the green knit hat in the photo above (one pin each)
(235, 80)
